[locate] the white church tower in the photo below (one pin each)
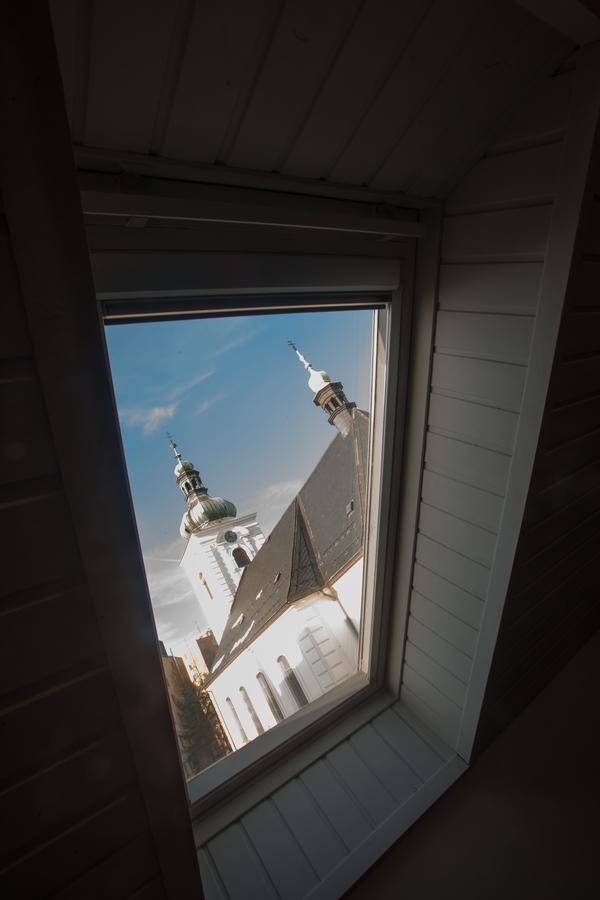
(219, 544)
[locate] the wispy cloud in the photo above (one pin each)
(233, 344)
(149, 419)
(186, 386)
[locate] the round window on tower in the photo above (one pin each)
(230, 537)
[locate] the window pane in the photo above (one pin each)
(252, 510)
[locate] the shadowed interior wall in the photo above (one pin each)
(552, 604)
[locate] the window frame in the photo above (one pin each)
(294, 736)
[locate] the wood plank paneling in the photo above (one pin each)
(400, 99)
(15, 341)
(470, 504)
(39, 545)
(514, 235)
(224, 45)
(479, 87)
(476, 466)
(462, 605)
(27, 451)
(38, 646)
(463, 572)
(478, 380)
(511, 179)
(456, 534)
(306, 41)
(348, 819)
(36, 809)
(234, 844)
(311, 829)
(125, 84)
(510, 288)
(119, 875)
(68, 855)
(502, 338)
(452, 629)
(481, 425)
(430, 705)
(432, 645)
(69, 716)
(382, 758)
(542, 115)
(285, 862)
(362, 782)
(380, 33)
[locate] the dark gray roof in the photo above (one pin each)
(317, 536)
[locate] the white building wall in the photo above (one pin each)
(349, 590)
(212, 570)
(320, 646)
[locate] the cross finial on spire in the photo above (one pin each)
(304, 361)
(173, 445)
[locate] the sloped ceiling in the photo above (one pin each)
(398, 96)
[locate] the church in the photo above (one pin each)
(284, 611)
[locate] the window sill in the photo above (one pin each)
(226, 790)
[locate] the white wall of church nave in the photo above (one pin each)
(318, 644)
(349, 590)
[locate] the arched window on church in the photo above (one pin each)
(290, 678)
(233, 711)
(253, 714)
(241, 557)
(194, 483)
(187, 487)
(270, 697)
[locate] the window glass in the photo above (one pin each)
(248, 445)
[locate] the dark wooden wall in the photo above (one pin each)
(77, 817)
(72, 819)
(553, 601)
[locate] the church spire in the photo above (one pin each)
(203, 510)
(328, 395)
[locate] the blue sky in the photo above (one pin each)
(235, 398)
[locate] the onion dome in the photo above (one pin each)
(203, 510)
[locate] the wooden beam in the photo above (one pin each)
(96, 159)
(183, 209)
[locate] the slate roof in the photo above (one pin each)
(319, 533)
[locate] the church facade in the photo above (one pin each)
(285, 611)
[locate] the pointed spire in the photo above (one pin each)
(329, 396)
(317, 379)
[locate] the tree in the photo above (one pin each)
(202, 738)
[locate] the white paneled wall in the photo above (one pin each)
(494, 240)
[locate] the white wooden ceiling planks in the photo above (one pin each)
(306, 42)
(224, 47)
(400, 100)
(129, 50)
(377, 40)
(357, 93)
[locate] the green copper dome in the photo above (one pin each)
(205, 511)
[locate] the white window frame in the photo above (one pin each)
(380, 281)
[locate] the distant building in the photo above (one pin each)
(284, 613)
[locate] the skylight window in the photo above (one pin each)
(251, 470)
